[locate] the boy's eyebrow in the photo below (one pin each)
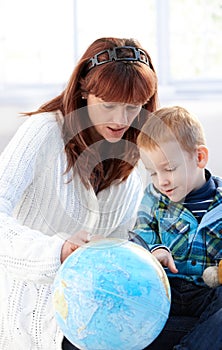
(165, 163)
(168, 162)
(162, 164)
(149, 169)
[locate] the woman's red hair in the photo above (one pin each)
(130, 82)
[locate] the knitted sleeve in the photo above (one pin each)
(26, 253)
(126, 202)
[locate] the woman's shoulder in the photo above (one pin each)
(41, 127)
(46, 119)
(39, 132)
(135, 178)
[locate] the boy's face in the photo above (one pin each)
(174, 172)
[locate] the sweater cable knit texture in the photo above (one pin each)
(39, 209)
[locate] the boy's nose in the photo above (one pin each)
(163, 181)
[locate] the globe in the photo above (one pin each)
(111, 294)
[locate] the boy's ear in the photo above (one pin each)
(202, 156)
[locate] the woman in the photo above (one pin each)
(70, 173)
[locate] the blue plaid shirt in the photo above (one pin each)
(194, 247)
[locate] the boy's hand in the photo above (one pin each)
(165, 258)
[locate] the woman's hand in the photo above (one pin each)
(75, 241)
(165, 258)
(70, 245)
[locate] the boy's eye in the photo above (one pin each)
(171, 169)
(150, 171)
(152, 174)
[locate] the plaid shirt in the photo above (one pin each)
(194, 247)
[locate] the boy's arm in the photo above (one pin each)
(146, 225)
(146, 230)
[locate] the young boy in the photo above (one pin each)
(180, 219)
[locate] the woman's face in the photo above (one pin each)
(111, 119)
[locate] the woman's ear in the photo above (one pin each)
(84, 95)
(202, 156)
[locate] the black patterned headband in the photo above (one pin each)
(115, 54)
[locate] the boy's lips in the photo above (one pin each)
(170, 191)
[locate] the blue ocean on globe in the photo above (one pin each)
(111, 294)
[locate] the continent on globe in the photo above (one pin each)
(59, 302)
(111, 294)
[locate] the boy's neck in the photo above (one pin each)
(201, 180)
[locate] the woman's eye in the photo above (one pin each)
(108, 106)
(133, 107)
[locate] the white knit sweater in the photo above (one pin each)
(39, 209)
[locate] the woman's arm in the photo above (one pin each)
(123, 209)
(24, 252)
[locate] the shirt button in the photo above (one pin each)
(193, 262)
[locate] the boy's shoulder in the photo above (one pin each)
(218, 182)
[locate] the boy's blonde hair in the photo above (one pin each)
(172, 124)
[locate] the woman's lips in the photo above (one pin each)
(116, 132)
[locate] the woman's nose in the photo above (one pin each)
(122, 116)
